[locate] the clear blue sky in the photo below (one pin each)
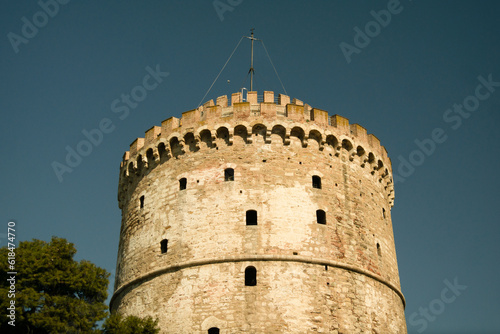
(65, 76)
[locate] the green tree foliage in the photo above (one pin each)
(54, 293)
(116, 324)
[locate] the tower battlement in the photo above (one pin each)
(223, 121)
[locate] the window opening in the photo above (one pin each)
(251, 217)
(164, 246)
(182, 183)
(250, 276)
(321, 217)
(316, 180)
(228, 174)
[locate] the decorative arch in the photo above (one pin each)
(360, 151)
(176, 147)
(150, 156)
(347, 145)
(140, 163)
(380, 164)
(162, 152)
(332, 143)
(206, 138)
(279, 130)
(315, 137)
(371, 158)
(223, 135)
(241, 133)
(298, 133)
(191, 142)
(259, 132)
(131, 168)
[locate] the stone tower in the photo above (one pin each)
(258, 216)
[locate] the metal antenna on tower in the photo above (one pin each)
(251, 71)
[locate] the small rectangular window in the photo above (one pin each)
(182, 183)
(164, 246)
(316, 182)
(321, 217)
(250, 276)
(228, 174)
(141, 200)
(251, 217)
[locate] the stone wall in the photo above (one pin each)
(183, 252)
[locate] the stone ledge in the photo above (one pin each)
(257, 257)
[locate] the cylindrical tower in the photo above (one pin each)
(258, 217)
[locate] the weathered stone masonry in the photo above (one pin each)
(258, 217)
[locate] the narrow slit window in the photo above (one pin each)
(182, 183)
(316, 180)
(251, 217)
(213, 330)
(321, 217)
(311, 115)
(379, 251)
(141, 200)
(250, 276)
(383, 212)
(228, 174)
(164, 246)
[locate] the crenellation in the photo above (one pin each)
(136, 145)
(340, 123)
(319, 116)
(168, 125)
(374, 144)
(252, 97)
(222, 101)
(190, 118)
(213, 114)
(268, 111)
(283, 100)
(152, 134)
(241, 110)
(236, 98)
(359, 132)
(268, 97)
(209, 103)
(295, 112)
(125, 158)
(297, 102)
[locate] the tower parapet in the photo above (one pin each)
(221, 119)
(259, 214)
